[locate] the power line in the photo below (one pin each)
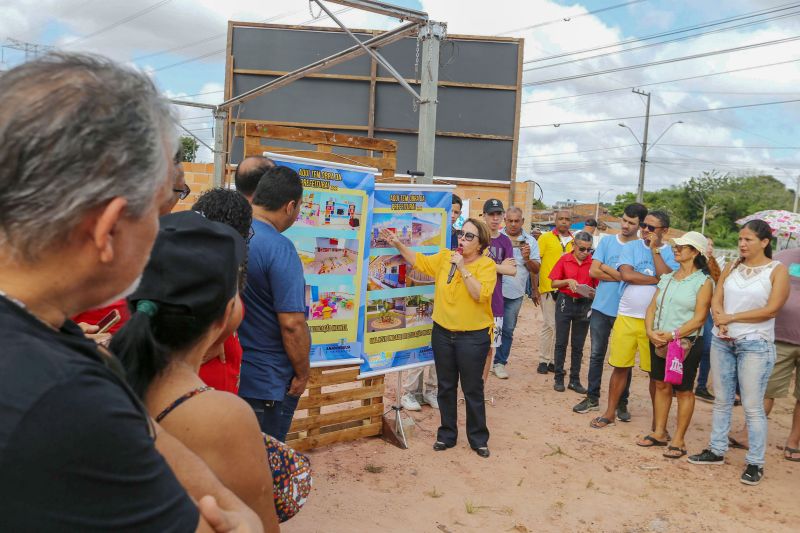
(733, 146)
(685, 29)
(664, 61)
(661, 114)
(578, 152)
(677, 39)
(120, 22)
(567, 19)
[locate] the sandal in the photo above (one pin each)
(789, 452)
(650, 441)
(668, 455)
(601, 422)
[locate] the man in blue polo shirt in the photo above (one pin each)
(605, 305)
(275, 339)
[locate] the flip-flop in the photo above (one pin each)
(606, 423)
(736, 444)
(788, 452)
(682, 452)
(651, 442)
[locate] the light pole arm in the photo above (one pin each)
(662, 134)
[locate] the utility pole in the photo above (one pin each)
(796, 193)
(431, 35)
(643, 161)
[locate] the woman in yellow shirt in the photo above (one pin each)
(462, 327)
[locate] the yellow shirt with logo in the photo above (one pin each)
(551, 250)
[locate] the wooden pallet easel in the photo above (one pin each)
(337, 407)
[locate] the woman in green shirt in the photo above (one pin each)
(678, 310)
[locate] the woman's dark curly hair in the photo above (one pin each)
(231, 208)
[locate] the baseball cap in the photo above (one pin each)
(194, 264)
(692, 238)
(493, 205)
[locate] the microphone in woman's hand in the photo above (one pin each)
(453, 267)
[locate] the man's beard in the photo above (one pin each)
(124, 294)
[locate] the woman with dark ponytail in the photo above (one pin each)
(187, 299)
(750, 293)
(678, 311)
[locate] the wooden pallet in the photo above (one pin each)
(337, 407)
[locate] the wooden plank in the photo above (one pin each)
(349, 395)
(373, 73)
(337, 417)
(241, 123)
(484, 136)
(344, 435)
(287, 133)
(375, 79)
(381, 163)
(347, 375)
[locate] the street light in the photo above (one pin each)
(796, 187)
(597, 207)
(645, 149)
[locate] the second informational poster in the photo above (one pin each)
(399, 300)
(330, 236)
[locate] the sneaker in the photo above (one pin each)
(559, 387)
(702, 394)
(408, 401)
(500, 371)
(586, 405)
(551, 368)
(577, 387)
(542, 368)
(622, 413)
(429, 397)
(752, 475)
(707, 457)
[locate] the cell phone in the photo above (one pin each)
(108, 321)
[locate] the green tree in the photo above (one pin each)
(538, 205)
(189, 146)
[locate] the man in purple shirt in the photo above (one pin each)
(502, 251)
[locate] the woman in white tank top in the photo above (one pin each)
(748, 296)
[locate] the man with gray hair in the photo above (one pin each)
(85, 166)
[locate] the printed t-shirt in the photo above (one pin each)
(551, 248)
(514, 286)
(787, 323)
(567, 267)
(454, 307)
(500, 249)
(636, 298)
(606, 299)
(275, 284)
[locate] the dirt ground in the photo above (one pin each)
(549, 471)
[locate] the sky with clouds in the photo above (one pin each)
(181, 43)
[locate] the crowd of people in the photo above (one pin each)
(153, 361)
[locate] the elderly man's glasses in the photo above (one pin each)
(183, 193)
(466, 235)
(585, 249)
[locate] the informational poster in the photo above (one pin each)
(399, 299)
(330, 235)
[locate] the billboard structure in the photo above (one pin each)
(479, 94)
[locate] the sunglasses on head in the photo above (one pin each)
(466, 235)
(183, 193)
(585, 249)
(649, 227)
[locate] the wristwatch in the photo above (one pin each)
(657, 251)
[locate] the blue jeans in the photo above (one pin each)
(511, 307)
(275, 417)
(749, 362)
(600, 326)
(705, 355)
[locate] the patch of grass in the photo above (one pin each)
(470, 508)
(558, 505)
(556, 450)
(519, 483)
(590, 484)
(373, 469)
(520, 435)
(434, 493)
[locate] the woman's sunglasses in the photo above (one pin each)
(466, 235)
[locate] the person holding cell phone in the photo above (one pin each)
(462, 328)
(576, 287)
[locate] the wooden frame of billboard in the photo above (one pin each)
(370, 129)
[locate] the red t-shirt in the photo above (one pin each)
(567, 267)
(224, 376)
(93, 316)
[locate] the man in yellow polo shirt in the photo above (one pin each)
(552, 245)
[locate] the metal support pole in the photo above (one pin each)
(796, 193)
(219, 151)
(643, 161)
(431, 35)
